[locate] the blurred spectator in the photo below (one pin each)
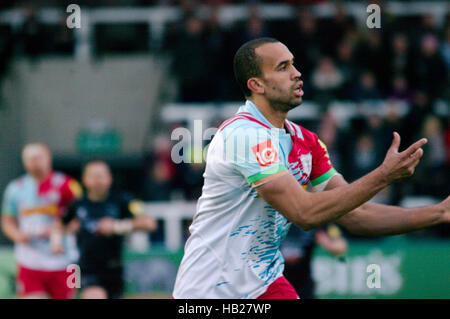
(400, 59)
(400, 89)
(346, 65)
(157, 185)
(326, 80)
(301, 39)
(191, 172)
(214, 45)
(445, 47)
(192, 76)
(328, 133)
(433, 163)
(254, 27)
(419, 109)
(333, 30)
(430, 69)
(31, 32)
(160, 172)
(381, 132)
(188, 7)
(427, 26)
(432, 130)
(364, 156)
(371, 55)
(366, 88)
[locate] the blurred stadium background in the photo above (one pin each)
(137, 69)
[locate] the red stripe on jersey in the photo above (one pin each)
(241, 116)
(256, 121)
(229, 121)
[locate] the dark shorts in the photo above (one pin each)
(110, 280)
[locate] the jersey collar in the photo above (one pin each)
(250, 107)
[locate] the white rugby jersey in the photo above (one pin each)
(233, 250)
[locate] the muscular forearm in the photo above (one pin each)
(330, 205)
(382, 220)
(310, 210)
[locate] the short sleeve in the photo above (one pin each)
(322, 169)
(254, 153)
(70, 190)
(9, 205)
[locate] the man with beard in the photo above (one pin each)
(258, 167)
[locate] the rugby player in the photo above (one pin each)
(258, 166)
(32, 205)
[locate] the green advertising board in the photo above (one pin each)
(100, 143)
(409, 269)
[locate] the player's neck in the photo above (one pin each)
(275, 117)
(97, 196)
(39, 178)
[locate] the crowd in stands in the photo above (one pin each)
(407, 60)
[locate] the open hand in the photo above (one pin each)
(400, 165)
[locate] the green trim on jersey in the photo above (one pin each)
(322, 178)
(275, 169)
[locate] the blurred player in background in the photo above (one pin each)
(258, 166)
(32, 205)
(298, 249)
(102, 217)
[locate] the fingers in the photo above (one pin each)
(414, 160)
(414, 147)
(416, 155)
(395, 142)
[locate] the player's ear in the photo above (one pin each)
(255, 85)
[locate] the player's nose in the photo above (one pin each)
(296, 75)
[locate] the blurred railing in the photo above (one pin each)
(173, 214)
(157, 18)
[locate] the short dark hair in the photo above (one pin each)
(247, 63)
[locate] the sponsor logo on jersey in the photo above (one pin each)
(265, 153)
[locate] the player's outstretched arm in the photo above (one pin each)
(310, 210)
(371, 219)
